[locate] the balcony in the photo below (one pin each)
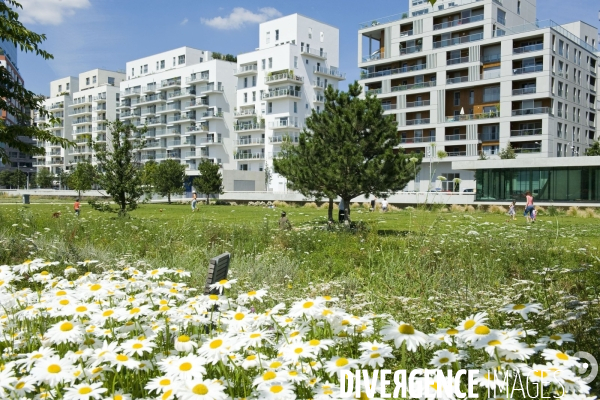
(80, 121)
(209, 140)
(528, 70)
(526, 132)
(284, 123)
(249, 156)
(99, 108)
(210, 88)
(283, 78)
(313, 52)
(155, 98)
(422, 103)
(81, 101)
(418, 139)
(456, 153)
(285, 138)
(197, 128)
(197, 78)
(528, 49)
(57, 106)
(458, 79)
(520, 92)
(170, 83)
(155, 121)
(389, 106)
(245, 113)
(329, 72)
(472, 117)
(168, 108)
(532, 111)
(373, 57)
(458, 22)
(411, 50)
(196, 103)
(491, 58)
(419, 121)
(130, 114)
(189, 92)
(152, 87)
(412, 86)
(319, 98)
(450, 138)
(247, 70)
(131, 92)
(417, 67)
(458, 40)
(281, 93)
(458, 60)
(212, 115)
(248, 127)
(528, 149)
(250, 142)
(100, 98)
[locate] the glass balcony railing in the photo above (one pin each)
(421, 103)
(458, 79)
(418, 85)
(456, 153)
(458, 40)
(528, 70)
(463, 21)
(526, 132)
(532, 111)
(471, 117)
(491, 58)
(418, 139)
(456, 137)
(418, 67)
(529, 90)
(528, 49)
(458, 60)
(411, 50)
(418, 121)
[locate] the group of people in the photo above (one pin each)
(530, 212)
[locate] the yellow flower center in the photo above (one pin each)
(164, 382)
(251, 357)
(137, 346)
(63, 302)
(81, 309)
(275, 364)
(308, 304)
(482, 330)
(540, 374)
(452, 332)
(95, 287)
(252, 293)
(44, 273)
(118, 397)
(562, 356)
(293, 373)
(494, 343)
(276, 388)
(444, 360)
(314, 342)
(85, 390)
(223, 281)
(298, 350)
(96, 370)
(239, 316)
(406, 329)
(255, 335)
(341, 362)
(269, 375)
(215, 344)
(375, 355)
(518, 306)
(134, 310)
(200, 389)
(122, 357)
(66, 327)
(61, 293)
(186, 366)
(167, 394)
(183, 338)
(213, 297)
(20, 385)
(54, 368)
(108, 313)
(555, 337)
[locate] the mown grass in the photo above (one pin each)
(429, 267)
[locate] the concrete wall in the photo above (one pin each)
(233, 180)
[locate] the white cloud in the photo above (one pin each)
(241, 17)
(49, 12)
(185, 21)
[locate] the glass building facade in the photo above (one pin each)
(561, 184)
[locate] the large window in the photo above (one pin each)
(491, 94)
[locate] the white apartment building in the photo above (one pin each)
(468, 77)
(186, 100)
(84, 106)
(278, 85)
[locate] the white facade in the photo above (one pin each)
(84, 106)
(278, 85)
(188, 109)
(468, 77)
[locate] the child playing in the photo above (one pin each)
(511, 211)
(533, 215)
(76, 207)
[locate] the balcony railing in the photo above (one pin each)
(314, 52)
(418, 67)
(329, 71)
(528, 70)
(489, 137)
(458, 60)
(249, 156)
(211, 88)
(284, 123)
(150, 87)
(458, 79)
(247, 69)
(418, 85)
(492, 58)
(422, 139)
(243, 113)
(319, 98)
(458, 22)
(531, 111)
(406, 33)
(528, 49)
(388, 106)
(154, 97)
(170, 82)
(459, 136)
(529, 90)
(417, 103)
(526, 132)
(281, 77)
(456, 153)
(212, 114)
(524, 150)
(419, 121)
(248, 127)
(186, 92)
(196, 102)
(471, 117)
(411, 50)
(372, 57)
(458, 40)
(245, 142)
(285, 138)
(210, 140)
(281, 93)
(197, 128)
(197, 77)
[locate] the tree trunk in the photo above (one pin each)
(79, 194)
(169, 197)
(330, 210)
(207, 199)
(347, 209)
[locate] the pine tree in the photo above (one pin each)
(119, 173)
(15, 100)
(82, 178)
(349, 149)
(168, 178)
(210, 180)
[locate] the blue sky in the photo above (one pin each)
(87, 34)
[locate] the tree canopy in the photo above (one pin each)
(349, 149)
(119, 172)
(82, 178)
(594, 150)
(44, 178)
(508, 153)
(14, 98)
(210, 180)
(168, 178)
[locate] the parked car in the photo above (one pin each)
(469, 191)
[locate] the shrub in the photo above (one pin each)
(222, 203)
(494, 209)
(552, 211)
(574, 211)
(470, 208)
(354, 205)
(311, 205)
(591, 213)
(457, 208)
(278, 203)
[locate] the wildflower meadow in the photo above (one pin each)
(102, 307)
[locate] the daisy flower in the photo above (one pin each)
(472, 320)
(560, 358)
(443, 358)
(183, 343)
(159, 384)
(52, 371)
(277, 391)
(404, 333)
(251, 296)
(138, 347)
(64, 332)
(222, 285)
(522, 309)
(30, 358)
(490, 380)
(558, 338)
(85, 391)
(188, 367)
(296, 350)
(122, 360)
(308, 308)
(337, 364)
(197, 389)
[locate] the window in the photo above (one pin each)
(307, 62)
(558, 150)
(253, 96)
(277, 34)
(253, 81)
(269, 107)
(306, 106)
(457, 98)
(322, 37)
(519, 7)
(270, 63)
(173, 61)
(561, 46)
(295, 107)
(94, 79)
(201, 59)
(67, 85)
(472, 97)
(87, 81)
(245, 82)
(59, 88)
(560, 89)
(132, 72)
(243, 167)
(559, 129)
(146, 68)
(157, 64)
(162, 64)
(567, 51)
(501, 17)
(295, 61)
(111, 80)
(263, 64)
(245, 97)
(268, 37)
(141, 69)
(181, 59)
(310, 33)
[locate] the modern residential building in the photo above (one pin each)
(278, 85)
(186, 99)
(465, 78)
(18, 160)
(84, 106)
